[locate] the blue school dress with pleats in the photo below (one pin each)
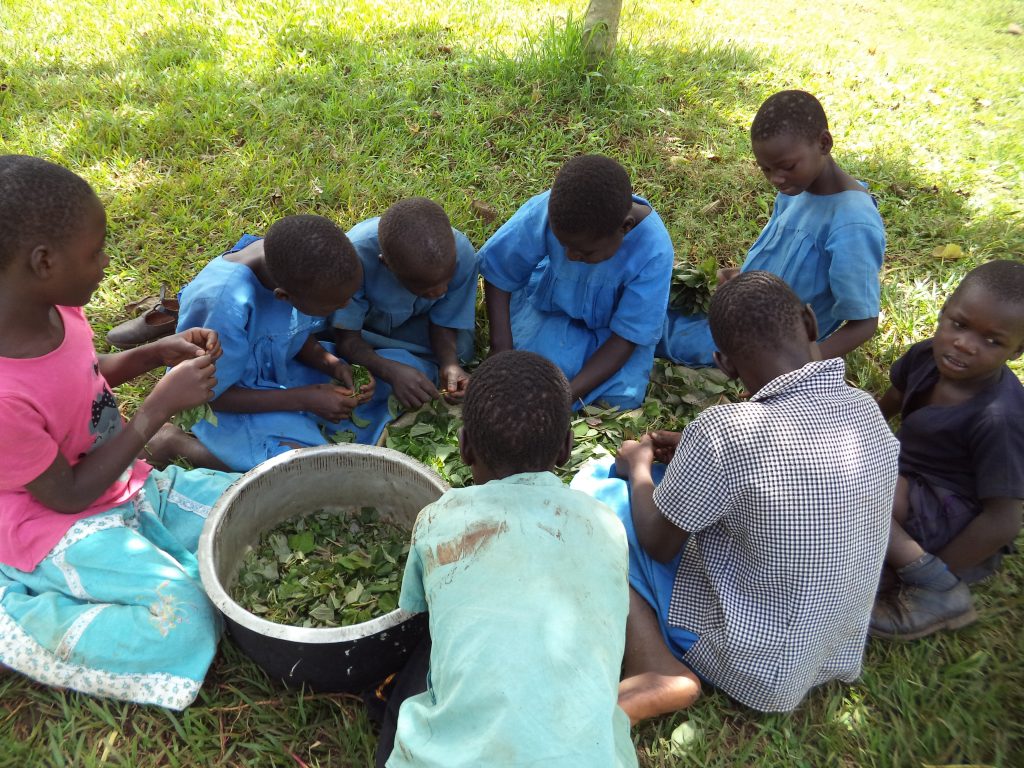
(564, 310)
(260, 335)
(828, 249)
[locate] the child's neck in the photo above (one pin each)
(31, 328)
(832, 180)
(254, 258)
(952, 392)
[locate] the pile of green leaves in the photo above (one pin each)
(327, 569)
(432, 438)
(690, 292)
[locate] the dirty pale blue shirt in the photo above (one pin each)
(526, 584)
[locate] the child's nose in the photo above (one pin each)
(962, 343)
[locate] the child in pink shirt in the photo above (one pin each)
(99, 588)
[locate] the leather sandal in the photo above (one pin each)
(159, 320)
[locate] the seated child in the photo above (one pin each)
(267, 298)
(525, 583)
(754, 562)
(958, 500)
(99, 584)
(824, 238)
(580, 275)
(412, 320)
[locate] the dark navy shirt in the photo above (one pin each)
(976, 448)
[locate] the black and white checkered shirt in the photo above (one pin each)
(788, 498)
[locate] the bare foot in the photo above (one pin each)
(650, 694)
(172, 444)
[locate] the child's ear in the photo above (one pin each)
(825, 142)
(810, 323)
(566, 450)
(282, 294)
(40, 261)
(725, 365)
(465, 449)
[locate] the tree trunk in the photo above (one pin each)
(601, 29)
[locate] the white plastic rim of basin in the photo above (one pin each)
(300, 481)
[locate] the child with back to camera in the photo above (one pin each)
(825, 237)
(754, 562)
(99, 584)
(958, 500)
(411, 322)
(267, 298)
(525, 583)
(581, 275)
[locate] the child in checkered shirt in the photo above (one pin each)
(958, 500)
(753, 562)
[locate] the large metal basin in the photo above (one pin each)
(347, 658)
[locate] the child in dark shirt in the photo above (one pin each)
(958, 501)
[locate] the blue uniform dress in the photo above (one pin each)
(828, 248)
(565, 310)
(261, 335)
(394, 320)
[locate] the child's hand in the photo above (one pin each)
(664, 444)
(725, 274)
(412, 388)
(633, 454)
(186, 385)
(328, 401)
(187, 345)
(342, 372)
(454, 381)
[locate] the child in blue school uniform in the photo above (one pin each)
(825, 237)
(580, 274)
(99, 583)
(525, 583)
(278, 387)
(961, 487)
(411, 321)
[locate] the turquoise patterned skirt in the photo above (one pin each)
(116, 608)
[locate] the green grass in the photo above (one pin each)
(199, 120)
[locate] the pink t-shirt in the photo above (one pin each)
(57, 402)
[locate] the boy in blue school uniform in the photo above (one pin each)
(754, 562)
(961, 487)
(278, 387)
(411, 321)
(525, 583)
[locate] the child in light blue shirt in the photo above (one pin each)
(518, 561)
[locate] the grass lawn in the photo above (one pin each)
(199, 120)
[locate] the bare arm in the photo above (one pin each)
(453, 379)
(314, 355)
(70, 489)
(890, 402)
(997, 525)
(848, 337)
(498, 317)
(606, 360)
(657, 535)
(119, 367)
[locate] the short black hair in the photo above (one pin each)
(517, 411)
(789, 113)
(753, 311)
(39, 201)
(416, 237)
(592, 195)
(305, 251)
(1003, 280)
